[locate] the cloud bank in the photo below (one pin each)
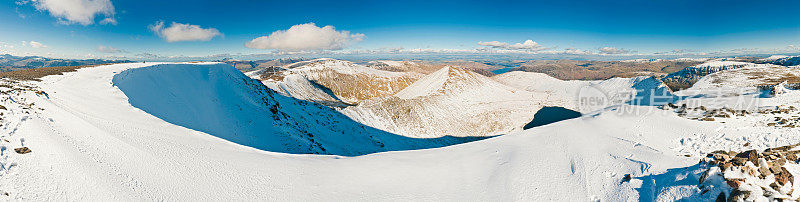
(529, 45)
(108, 49)
(76, 11)
(35, 44)
(613, 50)
(183, 32)
(304, 37)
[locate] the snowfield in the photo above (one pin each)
(641, 90)
(134, 132)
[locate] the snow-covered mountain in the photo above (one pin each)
(331, 81)
(84, 127)
(219, 100)
(742, 87)
(11, 62)
(588, 96)
(686, 77)
(404, 66)
(451, 101)
(173, 131)
(783, 60)
(249, 66)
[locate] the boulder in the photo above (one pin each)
(22, 150)
(739, 195)
(749, 155)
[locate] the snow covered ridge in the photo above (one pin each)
(589, 96)
(451, 101)
(688, 76)
(83, 127)
(783, 60)
(221, 101)
(93, 132)
(752, 78)
(659, 60)
(339, 81)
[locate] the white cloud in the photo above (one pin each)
(675, 52)
(147, 55)
(75, 11)
(108, 21)
(306, 37)
(529, 45)
(6, 46)
(35, 44)
(108, 49)
(183, 32)
(568, 51)
(613, 50)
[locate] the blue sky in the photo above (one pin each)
(617, 27)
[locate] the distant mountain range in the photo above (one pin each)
(11, 63)
(248, 65)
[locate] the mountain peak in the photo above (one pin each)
(448, 78)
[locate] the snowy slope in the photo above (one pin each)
(89, 143)
(299, 87)
(603, 93)
(784, 60)
(219, 100)
(405, 66)
(450, 101)
(749, 77)
(349, 83)
(688, 76)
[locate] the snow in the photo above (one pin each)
(659, 60)
(744, 79)
(774, 58)
(393, 63)
(348, 83)
(451, 101)
(574, 94)
(299, 87)
(696, 72)
(343, 67)
(219, 100)
(433, 83)
(93, 137)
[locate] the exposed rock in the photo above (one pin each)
(626, 178)
(783, 176)
(750, 155)
(22, 150)
(741, 176)
(739, 195)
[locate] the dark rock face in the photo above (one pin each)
(548, 115)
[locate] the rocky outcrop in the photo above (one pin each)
(752, 175)
(776, 116)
